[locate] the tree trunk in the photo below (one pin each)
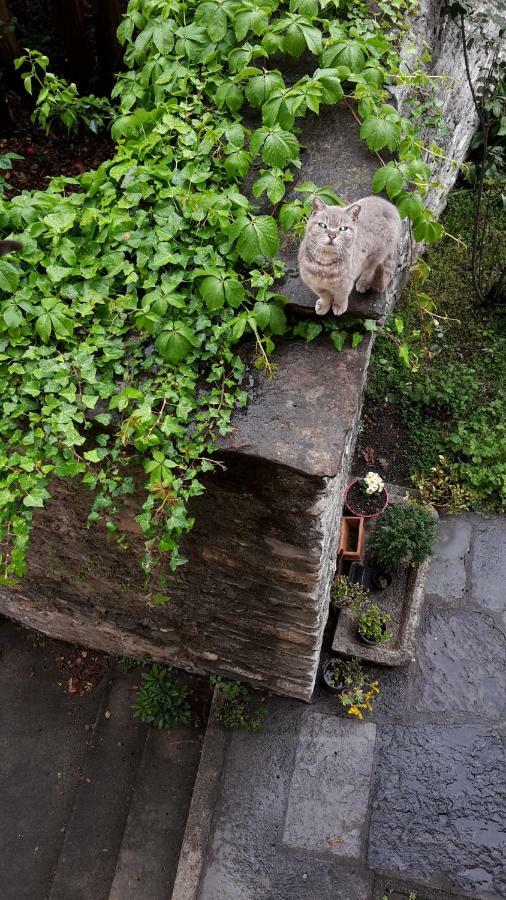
(74, 32)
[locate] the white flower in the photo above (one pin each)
(373, 483)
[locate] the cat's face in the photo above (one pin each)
(331, 229)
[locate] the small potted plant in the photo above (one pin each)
(372, 625)
(344, 594)
(404, 536)
(347, 679)
(367, 496)
(380, 578)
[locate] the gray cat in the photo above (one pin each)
(346, 246)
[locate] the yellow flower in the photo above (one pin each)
(375, 686)
(354, 711)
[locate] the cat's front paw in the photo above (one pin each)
(339, 308)
(321, 307)
(362, 286)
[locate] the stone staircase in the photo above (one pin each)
(94, 803)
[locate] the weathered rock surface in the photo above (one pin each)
(438, 806)
(489, 565)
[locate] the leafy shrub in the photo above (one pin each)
(405, 534)
(160, 701)
(348, 593)
(236, 707)
(357, 695)
(371, 624)
(5, 165)
(58, 101)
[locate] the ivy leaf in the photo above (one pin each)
(254, 20)
(277, 146)
(290, 214)
(163, 36)
(356, 339)
(229, 94)
(61, 220)
(175, 342)
(379, 133)
(331, 84)
(237, 163)
(312, 37)
(410, 206)
(293, 40)
(213, 19)
(261, 87)
(275, 111)
(258, 237)
(212, 291)
(9, 276)
(277, 319)
(272, 185)
(427, 230)
(234, 292)
(338, 338)
(344, 53)
(43, 327)
(262, 314)
(388, 178)
(12, 316)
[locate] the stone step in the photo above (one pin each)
(43, 744)
(148, 858)
(96, 825)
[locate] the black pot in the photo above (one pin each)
(327, 675)
(368, 640)
(381, 579)
(340, 603)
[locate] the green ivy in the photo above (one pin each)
(118, 320)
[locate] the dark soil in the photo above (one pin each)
(366, 505)
(82, 670)
(383, 444)
(45, 156)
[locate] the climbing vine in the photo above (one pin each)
(119, 319)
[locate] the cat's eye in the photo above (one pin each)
(343, 228)
(323, 224)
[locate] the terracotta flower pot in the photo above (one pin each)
(355, 512)
(352, 538)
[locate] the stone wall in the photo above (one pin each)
(253, 599)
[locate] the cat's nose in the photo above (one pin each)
(332, 235)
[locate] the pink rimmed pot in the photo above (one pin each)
(355, 512)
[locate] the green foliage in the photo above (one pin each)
(126, 663)
(58, 101)
(119, 318)
(371, 624)
(404, 535)
(348, 593)
(236, 707)
(452, 404)
(5, 166)
(160, 701)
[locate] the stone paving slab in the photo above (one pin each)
(489, 564)
(249, 816)
(306, 878)
(461, 664)
(329, 791)
(447, 576)
(439, 807)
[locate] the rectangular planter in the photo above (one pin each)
(352, 538)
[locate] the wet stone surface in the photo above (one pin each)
(329, 791)
(447, 576)
(438, 807)
(461, 665)
(489, 564)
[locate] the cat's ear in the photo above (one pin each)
(354, 211)
(318, 205)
